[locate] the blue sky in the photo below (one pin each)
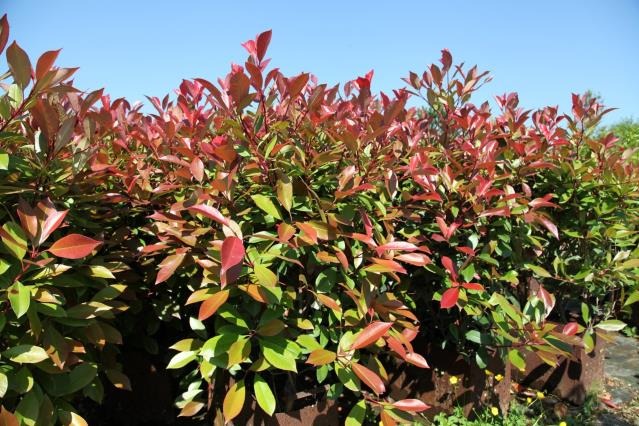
(545, 50)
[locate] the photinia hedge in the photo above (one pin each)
(289, 234)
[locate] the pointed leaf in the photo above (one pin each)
(371, 333)
(19, 64)
(321, 357)
(265, 203)
(369, 377)
(449, 298)
(450, 267)
(357, 414)
(45, 62)
(265, 276)
(263, 41)
(74, 246)
(197, 169)
(285, 192)
(264, 395)
(416, 359)
(417, 259)
(232, 258)
(26, 354)
(234, 401)
(14, 239)
(19, 298)
(212, 304)
(168, 266)
(210, 212)
(411, 405)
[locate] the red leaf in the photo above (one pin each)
(263, 40)
(397, 245)
(369, 377)
(342, 258)
(232, 257)
(416, 359)
(417, 259)
(19, 64)
(396, 346)
(210, 212)
(74, 246)
(45, 62)
(212, 304)
(411, 405)
(549, 225)
(466, 250)
(52, 219)
(473, 286)
(449, 298)
(28, 219)
(329, 302)
(310, 232)
(570, 329)
(4, 32)
(448, 264)
(197, 169)
(385, 265)
(371, 333)
(547, 298)
(168, 267)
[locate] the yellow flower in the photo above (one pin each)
(563, 424)
(540, 395)
(494, 411)
(488, 372)
(453, 380)
(529, 400)
(499, 377)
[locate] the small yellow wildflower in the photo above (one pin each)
(529, 400)
(488, 372)
(563, 424)
(499, 377)
(453, 380)
(540, 395)
(494, 411)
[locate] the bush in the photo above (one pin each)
(285, 233)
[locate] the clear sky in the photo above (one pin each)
(545, 50)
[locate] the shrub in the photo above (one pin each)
(287, 234)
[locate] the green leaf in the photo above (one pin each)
(629, 264)
(28, 409)
(611, 325)
(4, 161)
(4, 266)
(264, 395)
(633, 298)
(517, 360)
(538, 270)
(589, 342)
(14, 239)
(280, 353)
(181, 359)
(265, 203)
(265, 276)
(26, 354)
(347, 377)
(100, 271)
(4, 384)
(468, 272)
(285, 192)
(20, 298)
(357, 414)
